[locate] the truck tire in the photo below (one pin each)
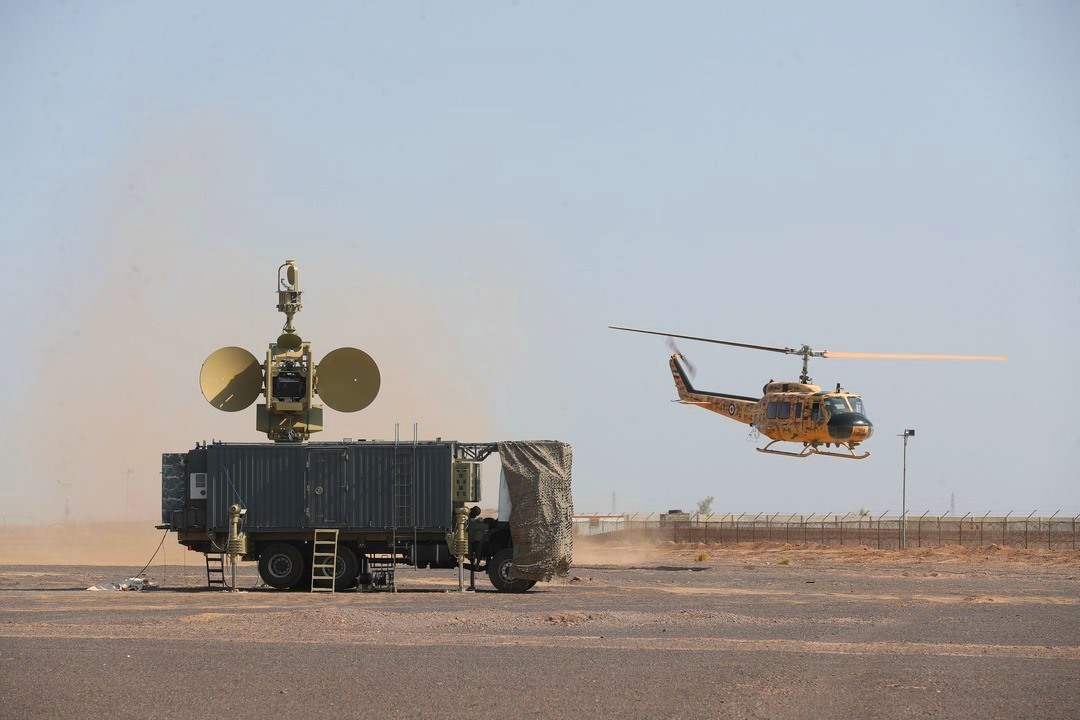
(281, 565)
(304, 581)
(498, 569)
(346, 569)
(349, 576)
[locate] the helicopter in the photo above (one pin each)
(831, 423)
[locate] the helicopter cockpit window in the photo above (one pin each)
(783, 410)
(815, 411)
(856, 405)
(836, 405)
(770, 411)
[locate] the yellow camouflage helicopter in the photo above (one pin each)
(797, 412)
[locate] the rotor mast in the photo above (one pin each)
(806, 353)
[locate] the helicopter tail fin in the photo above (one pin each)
(681, 377)
(691, 395)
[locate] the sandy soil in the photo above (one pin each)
(588, 552)
(133, 544)
(762, 630)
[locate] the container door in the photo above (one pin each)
(327, 486)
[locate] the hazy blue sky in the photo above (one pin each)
(475, 191)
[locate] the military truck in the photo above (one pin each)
(343, 515)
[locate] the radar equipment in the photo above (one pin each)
(232, 379)
(236, 546)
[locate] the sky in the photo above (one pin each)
(474, 192)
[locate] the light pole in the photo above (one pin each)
(903, 492)
(66, 506)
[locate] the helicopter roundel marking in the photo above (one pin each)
(731, 409)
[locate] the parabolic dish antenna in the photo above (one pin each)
(289, 341)
(231, 379)
(347, 379)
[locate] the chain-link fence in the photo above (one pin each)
(876, 531)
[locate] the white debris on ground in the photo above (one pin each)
(133, 583)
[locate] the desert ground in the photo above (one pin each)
(763, 630)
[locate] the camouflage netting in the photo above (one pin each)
(173, 485)
(542, 508)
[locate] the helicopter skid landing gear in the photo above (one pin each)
(809, 450)
(851, 456)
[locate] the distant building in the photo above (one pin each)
(598, 524)
(674, 516)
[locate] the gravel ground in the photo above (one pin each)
(756, 632)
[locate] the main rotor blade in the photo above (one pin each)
(786, 351)
(909, 356)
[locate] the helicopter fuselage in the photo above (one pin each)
(791, 411)
(787, 411)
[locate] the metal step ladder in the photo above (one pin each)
(404, 510)
(324, 560)
(215, 570)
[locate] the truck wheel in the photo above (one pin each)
(346, 569)
(498, 570)
(281, 566)
(304, 581)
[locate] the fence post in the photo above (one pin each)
(981, 523)
(1049, 522)
(920, 527)
(736, 523)
(1004, 526)
(962, 527)
(1026, 521)
(879, 528)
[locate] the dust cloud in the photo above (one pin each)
(130, 544)
(586, 553)
(177, 269)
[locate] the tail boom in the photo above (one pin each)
(737, 407)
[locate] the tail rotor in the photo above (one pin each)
(690, 369)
